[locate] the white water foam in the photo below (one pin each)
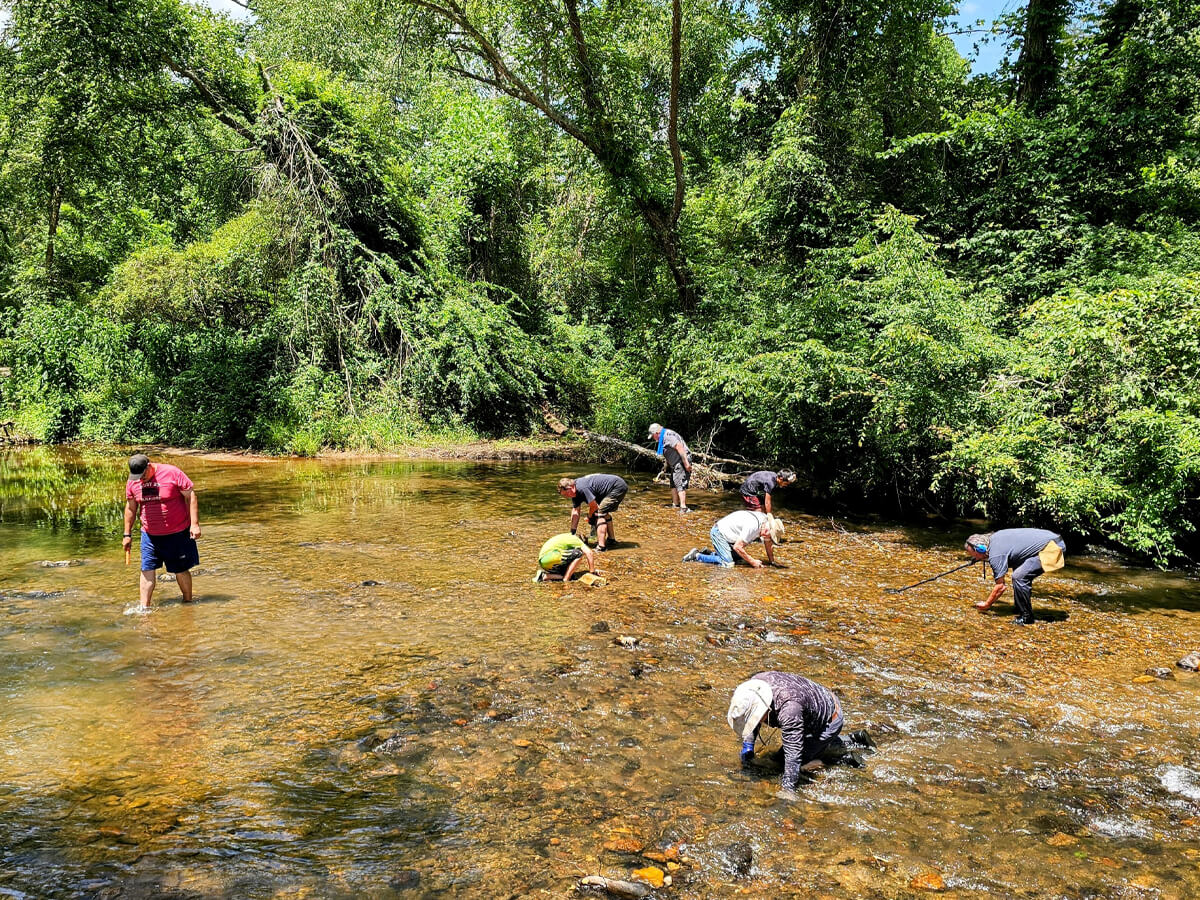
(1119, 828)
(1181, 780)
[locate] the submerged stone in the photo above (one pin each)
(599, 628)
(928, 881)
(612, 886)
(29, 595)
(397, 743)
(60, 563)
(651, 875)
(405, 881)
(369, 742)
(739, 859)
(623, 843)
(1161, 672)
(1191, 662)
(1061, 839)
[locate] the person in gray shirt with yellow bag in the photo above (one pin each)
(1028, 552)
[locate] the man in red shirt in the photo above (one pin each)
(170, 516)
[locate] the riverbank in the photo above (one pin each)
(536, 447)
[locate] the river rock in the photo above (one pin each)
(774, 637)
(368, 743)
(1061, 839)
(599, 628)
(739, 858)
(397, 743)
(928, 881)
(406, 880)
(60, 563)
(1191, 662)
(1144, 679)
(623, 843)
(1161, 672)
(629, 889)
(668, 855)
(627, 641)
(652, 875)
(371, 583)
(29, 595)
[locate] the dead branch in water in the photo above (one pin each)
(703, 477)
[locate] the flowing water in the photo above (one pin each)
(370, 698)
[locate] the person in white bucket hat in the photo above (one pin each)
(732, 535)
(808, 716)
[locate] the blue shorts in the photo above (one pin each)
(178, 552)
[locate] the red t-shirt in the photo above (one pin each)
(164, 508)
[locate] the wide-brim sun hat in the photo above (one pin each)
(749, 706)
(776, 526)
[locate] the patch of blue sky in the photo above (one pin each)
(974, 39)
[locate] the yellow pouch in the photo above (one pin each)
(1052, 557)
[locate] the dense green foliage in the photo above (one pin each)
(801, 232)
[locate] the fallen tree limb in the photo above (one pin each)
(740, 463)
(704, 477)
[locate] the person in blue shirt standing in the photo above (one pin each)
(1028, 552)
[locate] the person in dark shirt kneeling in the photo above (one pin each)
(808, 716)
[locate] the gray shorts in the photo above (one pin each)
(680, 477)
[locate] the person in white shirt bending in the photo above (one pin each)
(734, 533)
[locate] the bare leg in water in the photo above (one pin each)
(146, 586)
(184, 580)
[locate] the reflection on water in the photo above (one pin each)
(454, 730)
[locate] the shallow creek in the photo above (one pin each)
(453, 729)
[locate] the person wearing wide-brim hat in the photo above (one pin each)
(809, 719)
(734, 533)
(1028, 552)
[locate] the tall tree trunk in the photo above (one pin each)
(1037, 66)
(593, 126)
(666, 238)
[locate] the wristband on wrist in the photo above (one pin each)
(127, 535)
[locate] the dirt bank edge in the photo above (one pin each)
(533, 448)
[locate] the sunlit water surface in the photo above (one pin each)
(455, 730)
